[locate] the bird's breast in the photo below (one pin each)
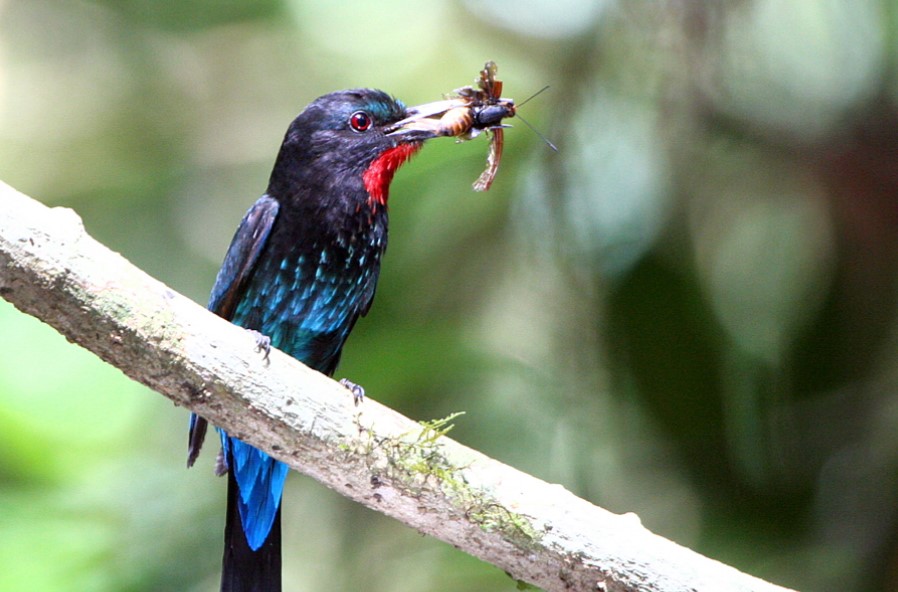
(307, 298)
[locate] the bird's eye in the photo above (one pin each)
(360, 121)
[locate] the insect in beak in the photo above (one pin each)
(465, 114)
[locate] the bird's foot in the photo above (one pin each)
(358, 393)
(263, 343)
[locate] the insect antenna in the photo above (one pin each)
(539, 133)
(534, 95)
(527, 123)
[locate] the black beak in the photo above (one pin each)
(411, 134)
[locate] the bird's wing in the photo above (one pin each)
(247, 244)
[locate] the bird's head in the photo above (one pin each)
(344, 142)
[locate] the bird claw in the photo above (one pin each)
(263, 343)
(358, 392)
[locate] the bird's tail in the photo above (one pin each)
(245, 570)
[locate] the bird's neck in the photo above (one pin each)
(379, 174)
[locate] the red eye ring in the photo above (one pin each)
(360, 121)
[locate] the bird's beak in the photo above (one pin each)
(423, 121)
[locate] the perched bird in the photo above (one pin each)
(301, 269)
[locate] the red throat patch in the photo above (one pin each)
(380, 173)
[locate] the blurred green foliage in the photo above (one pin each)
(687, 313)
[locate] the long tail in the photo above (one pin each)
(245, 570)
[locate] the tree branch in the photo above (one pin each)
(535, 531)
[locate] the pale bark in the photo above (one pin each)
(537, 532)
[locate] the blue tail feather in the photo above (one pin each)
(260, 480)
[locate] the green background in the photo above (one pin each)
(688, 312)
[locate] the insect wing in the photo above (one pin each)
(496, 90)
(485, 180)
(488, 78)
